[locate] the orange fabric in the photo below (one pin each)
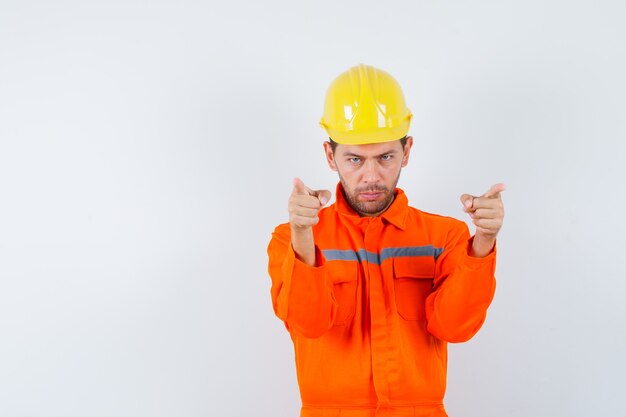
(371, 321)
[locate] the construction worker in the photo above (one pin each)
(370, 289)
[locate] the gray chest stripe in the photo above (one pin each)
(377, 258)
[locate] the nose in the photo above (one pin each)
(370, 172)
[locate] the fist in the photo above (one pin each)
(486, 211)
(305, 204)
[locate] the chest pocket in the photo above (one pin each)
(344, 276)
(413, 282)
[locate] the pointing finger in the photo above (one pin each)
(495, 190)
(299, 187)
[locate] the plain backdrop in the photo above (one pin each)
(147, 151)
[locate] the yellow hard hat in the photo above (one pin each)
(365, 105)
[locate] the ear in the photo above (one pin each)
(407, 150)
(330, 156)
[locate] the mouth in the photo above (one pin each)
(370, 196)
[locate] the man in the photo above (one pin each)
(370, 289)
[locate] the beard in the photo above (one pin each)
(369, 208)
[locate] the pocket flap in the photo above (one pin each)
(342, 271)
(414, 267)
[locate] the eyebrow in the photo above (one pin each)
(351, 154)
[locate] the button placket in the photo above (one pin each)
(378, 317)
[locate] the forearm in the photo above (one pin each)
(301, 293)
(457, 309)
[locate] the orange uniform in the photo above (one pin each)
(371, 321)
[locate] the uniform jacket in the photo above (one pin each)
(371, 320)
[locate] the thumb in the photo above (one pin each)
(299, 187)
(323, 195)
(467, 200)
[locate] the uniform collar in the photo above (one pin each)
(395, 214)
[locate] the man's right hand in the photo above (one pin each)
(304, 206)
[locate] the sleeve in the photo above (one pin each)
(302, 295)
(463, 289)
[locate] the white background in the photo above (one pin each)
(147, 151)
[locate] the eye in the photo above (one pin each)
(386, 157)
(355, 160)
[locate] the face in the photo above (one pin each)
(369, 173)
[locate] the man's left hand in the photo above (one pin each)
(487, 213)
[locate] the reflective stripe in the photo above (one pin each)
(375, 258)
(344, 255)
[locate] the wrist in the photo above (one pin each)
(303, 245)
(301, 231)
(481, 245)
